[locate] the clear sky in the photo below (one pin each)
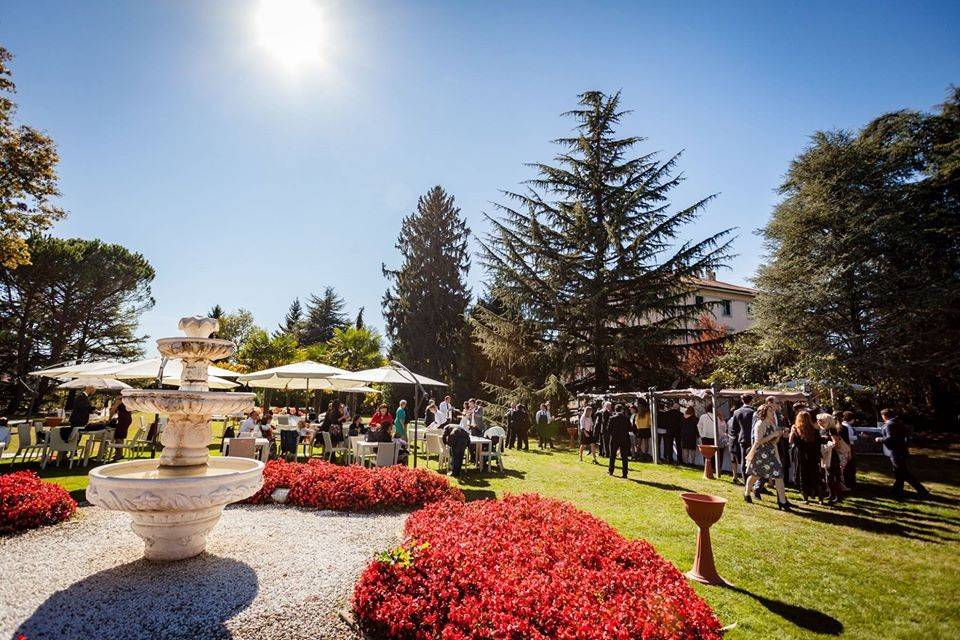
(254, 159)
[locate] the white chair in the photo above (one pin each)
(434, 447)
(132, 444)
(386, 455)
(28, 444)
(495, 452)
(97, 439)
(242, 448)
(55, 442)
(330, 451)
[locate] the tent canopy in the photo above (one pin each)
(787, 396)
(75, 370)
(387, 375)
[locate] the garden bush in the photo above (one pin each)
(320, 485)
(525, 567)
(27, 502)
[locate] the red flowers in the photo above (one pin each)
(525, 567)
(321, 485)
(26, 502)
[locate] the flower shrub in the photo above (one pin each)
(525, 567)
(320, 485)
(27, 502)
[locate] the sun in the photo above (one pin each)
(290, 31)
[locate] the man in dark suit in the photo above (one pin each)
(601, 427)
(893, 437)
(521, 423)
(741, 432)
(512, 415)
(618, 437)
(671, 421)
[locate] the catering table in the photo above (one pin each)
(262, 448)
(480, 443)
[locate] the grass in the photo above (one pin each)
(871, 567)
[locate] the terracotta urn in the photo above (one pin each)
(707, 451)
(704, 510)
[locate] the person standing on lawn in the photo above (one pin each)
(601, 427)
(543, 427)
(849, 435)
(618, 438)
(522, 425)
(763, 460)
(511, 420)
(893, 437)
(588, 436)
(400, 421)
(741, 428)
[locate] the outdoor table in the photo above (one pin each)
(480, 443)
(262, 447)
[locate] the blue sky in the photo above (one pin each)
(248, 184)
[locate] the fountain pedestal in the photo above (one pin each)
(177, 499)
(704, 510)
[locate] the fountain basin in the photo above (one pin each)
(193, 403)
(195, 348)
(174, 508)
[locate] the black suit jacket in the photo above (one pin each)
(82, 409)
(741, 428)
(602, 423)
(618, 429)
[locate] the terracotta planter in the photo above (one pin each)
(707, 451)
(704, 510)
(52, 422)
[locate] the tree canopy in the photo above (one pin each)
(28, 179)
(324, 314)
(587, 277)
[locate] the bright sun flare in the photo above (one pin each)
(289, 30)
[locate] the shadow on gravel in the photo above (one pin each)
(140, 600)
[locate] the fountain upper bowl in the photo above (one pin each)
(195, 348)
(199, 403)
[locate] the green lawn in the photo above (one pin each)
(870, 568)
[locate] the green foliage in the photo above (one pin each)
(77, 299)
(293, 322)
(28, 178)
(863, 278)
(260, 350)
(402, 556)
(235, 326)
(428, 295)
(324, 314)
(351, 349)
(584, 275)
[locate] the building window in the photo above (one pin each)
(725, 308)
(749, 309)
(699, 300)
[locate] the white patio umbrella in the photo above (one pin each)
(388, 375)
(97, 383)
(150, 368)
(298, 376)
(75, 370)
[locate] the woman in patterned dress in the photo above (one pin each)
(763, 460)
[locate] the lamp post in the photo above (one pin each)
(418, 388)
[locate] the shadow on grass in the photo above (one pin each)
(179, 596)
(803, 617)
(660, 485)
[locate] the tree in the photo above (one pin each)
(428, 296)
(324, 314)
(28, 179)
(351, 348)
(293, 321)
(235, 327)
(76, 300)
(260, 350)
(359, 322)
(216, 312)
(587, 277)
(699, 356)
(862, 282)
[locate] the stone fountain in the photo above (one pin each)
(177, 499)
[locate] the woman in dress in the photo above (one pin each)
(124, 418)
(588, 438)
(688, 436)
(806, 443)
(763, 461)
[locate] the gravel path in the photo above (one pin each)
(269, 572)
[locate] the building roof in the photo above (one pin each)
(703, 283)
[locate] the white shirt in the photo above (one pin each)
(850, 432)
(250, 429)
(586, 423)
(705, 425)
(445, 412)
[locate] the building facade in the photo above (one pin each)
(734, 302)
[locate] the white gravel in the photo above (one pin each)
(268, 572)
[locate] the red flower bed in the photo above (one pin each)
(525, 567)
(321, 485)
(26, 502)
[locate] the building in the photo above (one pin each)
(735, 302)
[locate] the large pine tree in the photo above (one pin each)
(324, 314)
(428, 295)
(293, 321)
(585, 268)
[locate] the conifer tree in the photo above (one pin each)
(324, 314)
(586, 272)
(426, 302)
(293, 321)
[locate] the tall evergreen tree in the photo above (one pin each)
(293, 321)
(585, 269)
(324, 314)
(428, 295)
(358, 324)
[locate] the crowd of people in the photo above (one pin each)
(813, 451)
